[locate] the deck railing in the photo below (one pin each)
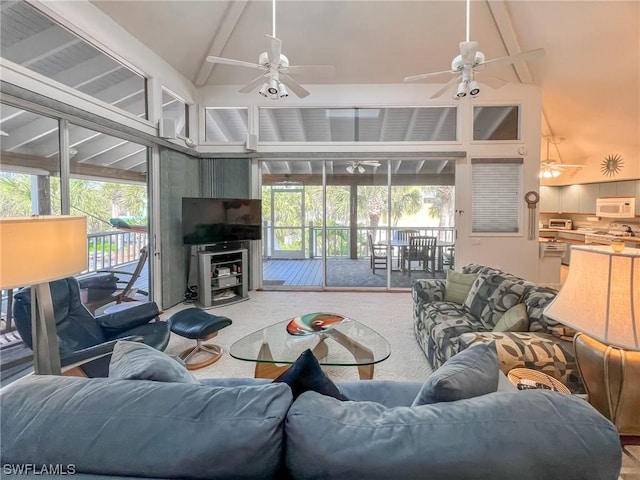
(111, 249)
(338, 239)
(105, 250)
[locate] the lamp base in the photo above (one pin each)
(611, 378)
(46, 353)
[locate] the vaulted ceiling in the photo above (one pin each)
(589, 76)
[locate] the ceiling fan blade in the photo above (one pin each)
(468, 52)
(445, 87)
(493, 81)
(520, 57)
(253, 84)
(275, 49)
(231, 61)
(294, 86)
(422, 76)
(315, 70)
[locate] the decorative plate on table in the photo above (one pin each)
(310, 323)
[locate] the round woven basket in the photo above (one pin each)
(529, 377)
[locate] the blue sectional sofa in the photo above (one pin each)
(444, 328)
(253, 429)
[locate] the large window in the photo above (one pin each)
(226, 125)
(496, 195)
(424, 124)
(177, 110)
(34, 41)
(496, 123)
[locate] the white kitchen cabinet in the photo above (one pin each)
(608, 189)
(570, 199)
(588, 196)
(626, 188)
(549, 199)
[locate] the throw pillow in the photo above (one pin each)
(470, 373)
(305, 374)
(514, 320)
(137, 361)
(458, 285)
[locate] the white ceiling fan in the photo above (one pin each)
(276, 77)
(550, 168)
(357, 166)
(469, 62)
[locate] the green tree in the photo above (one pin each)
(443, 204)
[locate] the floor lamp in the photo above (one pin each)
(601, 300)
(35, 251)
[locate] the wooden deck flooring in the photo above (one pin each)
(340, 273)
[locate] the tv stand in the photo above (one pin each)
(222, 277)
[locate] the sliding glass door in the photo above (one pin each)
(347, 223)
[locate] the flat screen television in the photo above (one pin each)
(214, 220)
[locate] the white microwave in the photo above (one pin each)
(616, 207)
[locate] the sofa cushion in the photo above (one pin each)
(491, 296)
(306, 374)
(145, 429)
(470, 373)
(501, 436)
(458, 285)
(137, 361)
(514, 320)
(438, 328)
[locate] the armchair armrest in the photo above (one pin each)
(428, 290)
(88, 354)
(538, 351)
(115, 323)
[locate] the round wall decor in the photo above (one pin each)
(611, 165)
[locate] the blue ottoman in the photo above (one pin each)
(200, 326)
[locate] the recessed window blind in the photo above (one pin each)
(495, 194)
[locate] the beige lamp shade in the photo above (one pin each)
(601, 296)
(41, 248)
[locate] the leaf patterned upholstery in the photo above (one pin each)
(443, 329)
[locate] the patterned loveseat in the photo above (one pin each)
(444, 328)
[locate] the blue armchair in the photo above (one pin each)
(81, 336)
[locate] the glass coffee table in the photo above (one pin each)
(343, 342)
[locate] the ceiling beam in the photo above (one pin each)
(224, 31)
(502, 20)
(39, 46)
(360, 179)
(53, 168)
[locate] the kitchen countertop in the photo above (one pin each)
(578, 232)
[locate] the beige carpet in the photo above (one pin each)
(390, 314)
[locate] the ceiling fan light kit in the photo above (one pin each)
(470, 61)
(275, 79)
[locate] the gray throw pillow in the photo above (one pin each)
(137, 361)
(470, 373)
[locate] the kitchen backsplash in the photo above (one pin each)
(581, 220)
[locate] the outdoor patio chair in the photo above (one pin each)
(378, 254)
(98, 295)
(421, 249)
(86, 341)
(403, 236)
